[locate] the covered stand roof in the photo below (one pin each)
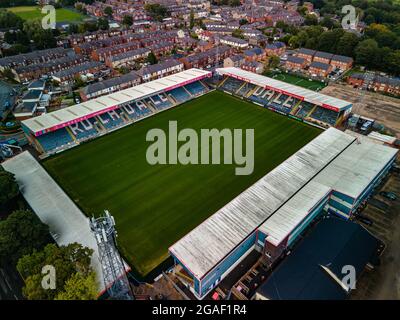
(65, 117)
(206, 245)
(279, 201)
(287, 88)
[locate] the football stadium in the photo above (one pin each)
(204, 216)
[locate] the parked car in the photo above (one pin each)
(388, 195)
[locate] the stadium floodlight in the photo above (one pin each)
(114, 274)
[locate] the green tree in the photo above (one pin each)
(8, 186)
(80, 287)
(329, 40)
(157, 11)
(294, 42)
(67, 261)
(367, 53)
(108, 11)
(20, 234)
(191, 23)
(151, 58)
(274, 61)
(103, 24)
(347, 44)
(310, 19)
(127, 20)
(238, 33)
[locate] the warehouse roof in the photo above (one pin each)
(64, 117)
(287, 88)
(208, 244)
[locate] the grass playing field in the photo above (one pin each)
(34, 12)
(298, 81)
(154, 206)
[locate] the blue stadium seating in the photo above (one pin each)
(84, 129)
(159, 101)
(246, 89)
(196, 88)
(232, 85)
(56, 139)
(179, 94)
(304, 109)
(110, 119)
(325, 115)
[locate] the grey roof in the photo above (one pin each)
(102, 85)
(206, 245)
(294, 59)
(320, 65)
(159, 66)
(340, 58)
(79, 68)
(322, 54)
(306, 51)
(32, 95)
(127, 54)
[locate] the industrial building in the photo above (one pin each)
(334, 173)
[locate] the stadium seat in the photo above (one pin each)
(55, 140)
(325, 115)
(110, 119)
(304, 109)
(179, 94)
(232, 85)
(196, 88)
(84, 129)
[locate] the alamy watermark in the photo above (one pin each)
(195, 149)
(49, 278)
(49, 20)
(350, 20)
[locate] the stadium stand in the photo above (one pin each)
(62, 127)
(84, 129)
(304, 109)
(110, 119)
(231, 85)
(245, 89)
(196, 88)
(159, 101)
(54, 140)
(325, 115)
(179, 95)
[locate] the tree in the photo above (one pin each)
(20, 234)
(274, 62)
(8, 186)
(42, 38)
(329, 40)
(67, 261)
(347, 44)
(367, 52)
(79, 287)
(103, 24)
(191, 24)
(294, 42)
(238, 33)
(108, 11)
(157, 11)
(327, 23)
(310, 19)
(151, 58)
(10, 20)
(127, 20)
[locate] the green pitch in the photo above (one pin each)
(34, 12)
(154, 206)
(298, 81)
